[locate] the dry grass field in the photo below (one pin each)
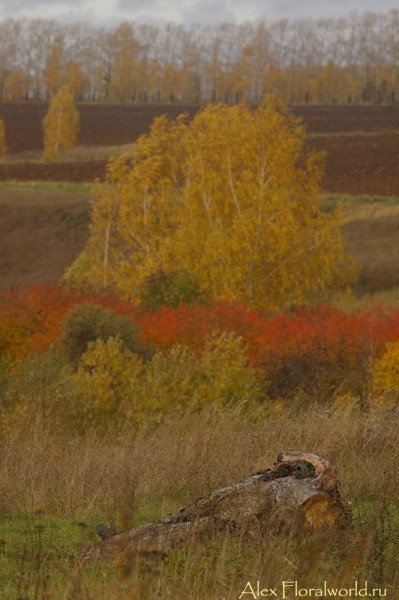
(55, 486)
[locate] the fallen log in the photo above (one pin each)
(300, 490)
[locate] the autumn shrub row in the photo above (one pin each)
(113, 386)
(319, 351)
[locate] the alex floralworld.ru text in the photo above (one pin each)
(291, 589)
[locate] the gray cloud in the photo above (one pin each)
(13, 6)
(292, 9)
(188, 11)
(139, 5)
(144, 11)
(208, 11)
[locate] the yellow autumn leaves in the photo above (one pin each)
(112, 381)
(113, 386)
(61, 123)
(386, 369)
(230, 199)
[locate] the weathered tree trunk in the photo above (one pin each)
(301, 490)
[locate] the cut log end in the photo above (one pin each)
(321, 510)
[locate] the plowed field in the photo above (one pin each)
(366, 165)
(41, 233)
(112, 124)
(100, 124)
(362, 161)
(73, 172)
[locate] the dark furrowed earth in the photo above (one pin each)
(362, 165)
(100, 124)
(366, 165)
(42, 232)
(73, 172)
(112, 124)
(363, 161)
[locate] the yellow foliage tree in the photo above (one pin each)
(77, 79)
(52, 70)
(15, 88)
(386, 369)
(61, 123)
(3, 143)
(229, 198)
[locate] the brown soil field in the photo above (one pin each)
(41, 234)
(366, 165)
(112, 124)
(100, 124)
(355, 164)
(73, 172)
(43, 231)
(346, 119)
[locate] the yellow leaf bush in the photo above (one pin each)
(386, 369)
(113, 384)
(104, 377)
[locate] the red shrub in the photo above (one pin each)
(317, 350)
(31, 316)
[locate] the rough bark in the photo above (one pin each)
(300, 491)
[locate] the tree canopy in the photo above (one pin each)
(61, 123)
(351, 60)
(229, 198)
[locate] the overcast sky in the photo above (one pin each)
(187, 11)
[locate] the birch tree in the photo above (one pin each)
(229, 199)
(61, 123)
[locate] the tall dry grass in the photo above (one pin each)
(188, 455)
(140, 475)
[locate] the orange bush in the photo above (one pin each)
(31, 317)
(316, 350)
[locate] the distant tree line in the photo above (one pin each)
(350, 60)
